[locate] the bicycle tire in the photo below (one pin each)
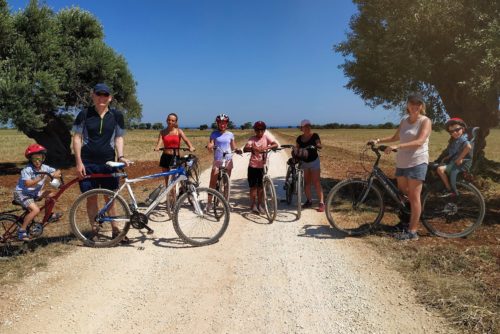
(8, 234)
(225, 186)
(289, 185)
(453, 217)
(300, 186)
(346, 214)
(194, 173)
(104, 236)
(270, 201)
(171, 199)
(204, 229)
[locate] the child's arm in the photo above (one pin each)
(56, 173)
(465, 151)
(32, 182)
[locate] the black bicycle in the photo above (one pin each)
(356, 206)
(294, 181)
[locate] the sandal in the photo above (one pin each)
(125, 240)
(54, 217)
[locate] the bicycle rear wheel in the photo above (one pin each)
(8, 235)
(198, 220)
(354, 209)
(270, 202)
(106, 227)
(453, 217)
(299, 186)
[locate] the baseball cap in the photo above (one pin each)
(416, 97)
(102, 88)
(305, 122)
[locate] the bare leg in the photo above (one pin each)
(441, 170)
(414, 191)
(307, 183)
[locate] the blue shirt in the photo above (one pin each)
(223, 142)
(28, 173)
(456, 146)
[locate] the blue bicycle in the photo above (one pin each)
(102, 218)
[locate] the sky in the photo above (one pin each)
(269, 60)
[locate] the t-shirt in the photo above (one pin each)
(98, 134)
(312, 154)
(259, 160)
(456, 146)
(223, 142)
(28, 173)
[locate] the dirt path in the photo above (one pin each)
(287, 277)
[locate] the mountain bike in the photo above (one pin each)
(356, 206)
(294, 181)
(194, 220)
(10, 222)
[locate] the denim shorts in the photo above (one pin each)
(110, 183)
(314, 165)
(417, 172)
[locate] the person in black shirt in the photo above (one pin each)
(310, 164)
(98, 135)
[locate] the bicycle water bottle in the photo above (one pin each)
(154, 194)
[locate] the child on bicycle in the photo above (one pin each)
(30, 184)
(258, 145)
(456, 157)
(224, 141)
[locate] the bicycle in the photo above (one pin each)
(294, 181)
(10, 222)
(356, 206)
(269, 191)
(194, 220)
(223, 184)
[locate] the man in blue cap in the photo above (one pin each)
(98, 134)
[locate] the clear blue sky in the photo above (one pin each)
(256, 59)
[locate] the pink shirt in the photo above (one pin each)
(258, 160)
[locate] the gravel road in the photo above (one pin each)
(287, 277)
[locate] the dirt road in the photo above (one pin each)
(287, 277)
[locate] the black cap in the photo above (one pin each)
(416, 97)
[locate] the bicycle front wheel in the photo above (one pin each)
(353, 208)
(97, 223)
(201, 216)
(454, 216)
(270, 202)
(225, 186)
(299, 186)
(289, 185)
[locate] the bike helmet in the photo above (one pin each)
(455, 120)
(34, 149)
(259, 125)
(222, 118)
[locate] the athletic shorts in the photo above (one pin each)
(417, 172)
(110, 183)
(314, 165)
(255, 176)
(24, 200)
(166, 160)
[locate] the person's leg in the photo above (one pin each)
(441, 171)
(33, 211)
(316, 180)
(307, 184)
(402, 184)
(414, 191)
(253, 197)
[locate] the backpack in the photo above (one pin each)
(301, 154)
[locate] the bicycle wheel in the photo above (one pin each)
(171, 199)
(199, 221)
(270, 202)
(354, 209)
(194, 173)
(289, 185)
(299, 186)
(99, 230)
(8, 235)
(453, 217)
(225, 186)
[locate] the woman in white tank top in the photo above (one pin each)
(412, 158)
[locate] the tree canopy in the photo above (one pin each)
(48, 64)
(447, 49)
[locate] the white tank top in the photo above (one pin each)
(412, 156)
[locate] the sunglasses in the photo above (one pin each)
(455, 130)
(37, 159)
(102, 94)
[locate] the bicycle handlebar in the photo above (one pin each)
(380, 148)
(184, 149)
(237, 151)
(293, 146)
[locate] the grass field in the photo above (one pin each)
(460, 278)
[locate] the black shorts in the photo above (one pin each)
(166, 160)
(110, 183)
(255, 176)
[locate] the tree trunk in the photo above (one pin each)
(475, 112)
(56, 138)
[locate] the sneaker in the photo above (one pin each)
(54, 217)
(407, 235)
(22, 235)
(446, 193)
(255, 209)
(321, 207)
(402, 226)
(261, 210)
(307, 204)
(125, 240)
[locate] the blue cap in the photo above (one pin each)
(416, 97)
(102, 88)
